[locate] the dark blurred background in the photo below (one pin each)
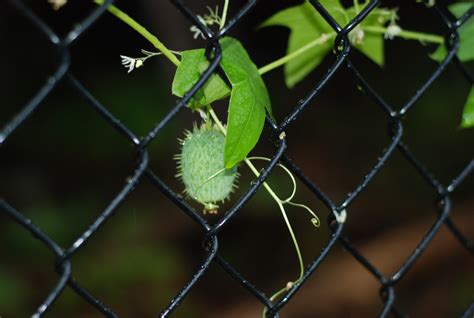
(65, 165)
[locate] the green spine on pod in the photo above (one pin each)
(201, 167)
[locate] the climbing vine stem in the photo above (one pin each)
(407, 35)
(142, 31)
(281, 207)
(322, 39)
(168, 53)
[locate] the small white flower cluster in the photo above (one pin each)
(132, 63)
(393, 28)
(392, 31)
(357, 36)
(209, 19)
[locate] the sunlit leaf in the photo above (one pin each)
(248, 101)
(306, 25)
(193, 64)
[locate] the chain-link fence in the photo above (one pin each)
(342, 47)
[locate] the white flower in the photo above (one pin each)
(208, 20)
(196, 32)
(129, 62)
(135, 62)
(357, 35)
(392, 31)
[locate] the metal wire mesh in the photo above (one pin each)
(64, 256)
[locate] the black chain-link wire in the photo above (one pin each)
(342, 48)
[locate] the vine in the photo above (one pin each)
(309, 43)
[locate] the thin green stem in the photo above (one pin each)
(407, 35)
(140, 29)
(285, 59)
(272, 298)
(224, 13)
(277, 200)
(279, 293)
(269, 190)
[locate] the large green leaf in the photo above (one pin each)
(248, 101)
(193, 64)
(466, 35)
(308, 26)
(468, 113)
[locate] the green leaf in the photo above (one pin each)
(193, 64)
(466, 35)
(373, 48)
(468, 113)
(372, 44)
(248, 101)
(306, 25)
(439, 54)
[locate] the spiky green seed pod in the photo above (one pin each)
(201, 167)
